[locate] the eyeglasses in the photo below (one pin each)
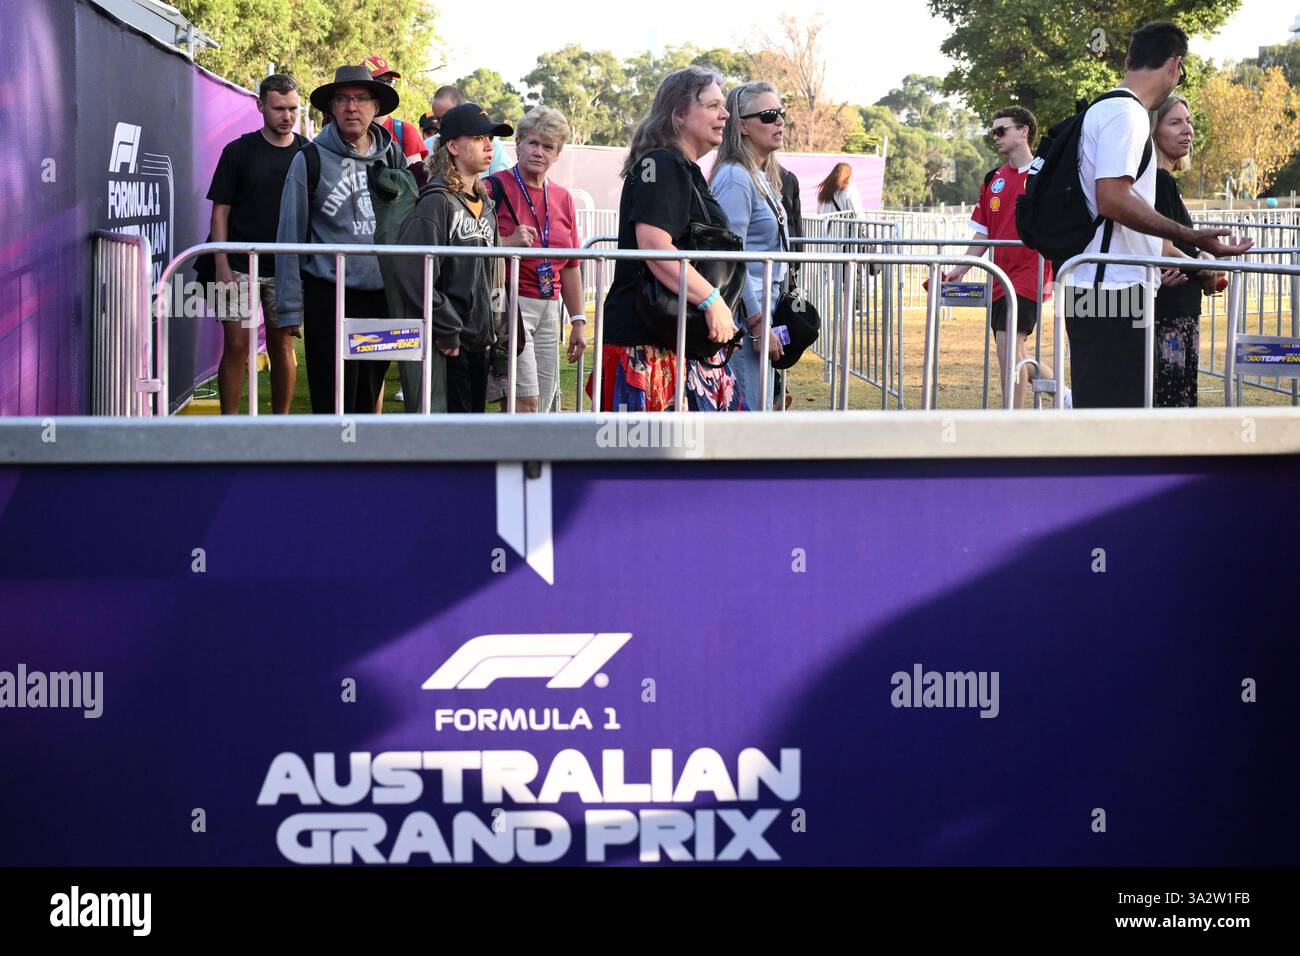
(1182, 72)
(997, 132)
(766, 116)
(349, 100)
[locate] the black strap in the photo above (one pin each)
(780, 226)
(1147, 153)
(704, 208)
(499, 195)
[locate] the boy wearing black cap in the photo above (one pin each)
(454, 210)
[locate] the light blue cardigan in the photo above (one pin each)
(750, 217)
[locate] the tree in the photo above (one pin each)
(489, 90)
(588, 88)
(794, 62)
(1045, 54)
(644, 73)
(1253, 130)
(918, 102)
(309, 38)
(1284, 55)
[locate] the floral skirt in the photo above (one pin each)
(1178, 357)
(643, 378)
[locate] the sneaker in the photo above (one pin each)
(398, 397)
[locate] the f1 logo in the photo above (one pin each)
(126, 144)
(569, 660)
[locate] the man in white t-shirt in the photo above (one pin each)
(1117, 170)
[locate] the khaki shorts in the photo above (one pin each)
(537, 370)
(235, 304)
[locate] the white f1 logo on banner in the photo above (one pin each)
(569, 660)
(126, 144)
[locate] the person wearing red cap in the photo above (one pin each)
(406, 134)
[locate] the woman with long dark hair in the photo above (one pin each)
(835, 193)
(664, 193)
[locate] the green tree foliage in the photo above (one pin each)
(1045, 54)
(588, 88)
(936, 149)
(489, 90)
(308, 39)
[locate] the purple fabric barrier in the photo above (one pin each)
(776, 658)
(118, 133)
(595, 171)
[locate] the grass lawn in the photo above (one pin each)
(961, 363)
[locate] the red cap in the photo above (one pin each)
(378, 67)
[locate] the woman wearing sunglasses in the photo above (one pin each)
(747, 181)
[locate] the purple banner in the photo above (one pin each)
(124, 136)
(969, 663)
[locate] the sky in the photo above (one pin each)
(864, 59)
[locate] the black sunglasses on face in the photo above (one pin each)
(766, 116)
(1182, 72)
(997, 132)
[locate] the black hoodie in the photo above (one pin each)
(462, 295)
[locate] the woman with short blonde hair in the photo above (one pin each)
(532, 211)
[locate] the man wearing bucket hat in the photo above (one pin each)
(326, 199)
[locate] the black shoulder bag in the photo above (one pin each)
(656, 305)
(793, 310)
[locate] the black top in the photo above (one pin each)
(657, 193)
(1185, 299)
(249, 179)
(792, 203)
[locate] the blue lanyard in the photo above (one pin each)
(546, 202)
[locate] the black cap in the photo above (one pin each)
(470, 119)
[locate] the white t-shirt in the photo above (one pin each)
(1114, 136)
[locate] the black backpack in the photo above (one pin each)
(1052, 215)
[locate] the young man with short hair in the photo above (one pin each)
(245, 195)
(1104, 305)
(1014, 130)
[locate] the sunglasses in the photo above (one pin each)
(766, 116)
(1182, 72)
(997, 132)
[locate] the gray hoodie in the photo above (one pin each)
(341, 212)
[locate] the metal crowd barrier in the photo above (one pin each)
(1265, 299)
(122, 375)
(826, 288)
(515, 256)
(1236, 269)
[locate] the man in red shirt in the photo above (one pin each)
(1013, 131)
(407, 134)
